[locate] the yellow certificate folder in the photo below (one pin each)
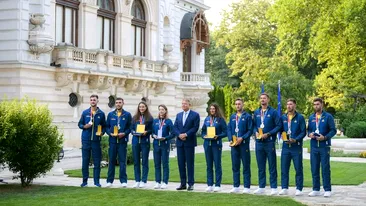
(234, 140)
(211, 132)
(140, 128)
(99, 130)
(115, 131)
(284, 136)
(260, 131)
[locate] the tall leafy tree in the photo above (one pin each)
(251, 39)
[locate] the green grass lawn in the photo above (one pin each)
(47, 195)
(343, 173)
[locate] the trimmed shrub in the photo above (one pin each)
(363, 154)
(356, 130)
(347, 118)
(30, 143)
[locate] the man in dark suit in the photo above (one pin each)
(186, 126)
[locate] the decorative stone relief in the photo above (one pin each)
(168, 48)
(39, 40)
(160, 88)
(132, 85)
(198, 100)
(64, 78)
(100, 82)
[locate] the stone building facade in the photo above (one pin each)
(59, 52)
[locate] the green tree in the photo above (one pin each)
(216, 96)
(294, 20)
(30, 142)
(251, 39)
(327, 38)
(229, 100)
(215, 63)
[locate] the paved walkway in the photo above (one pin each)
(342, 195)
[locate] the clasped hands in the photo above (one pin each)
(183, 136)
(319, 138)
(119, 135)
(160, 139)
(264, 136)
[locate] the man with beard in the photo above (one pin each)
(294, 127)
(321, 129)
(92, 122)
(118, 128)
(267, 124)
(240, 126)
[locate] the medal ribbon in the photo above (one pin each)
(212, 121)
(142, 119)
(317, 122)
(289, 121)
(91, 114)
(118, 118)
(161, 124)
(237, 123)
(263, 115)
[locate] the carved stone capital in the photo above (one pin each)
(64, 78)
(160, 88)
(132, 85)
(100, 82)
(198, 100)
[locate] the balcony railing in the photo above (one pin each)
(188, 78)
(100, 60)
(105, 63)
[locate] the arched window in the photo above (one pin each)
(138, 28)
(105, 24)
(67, 21)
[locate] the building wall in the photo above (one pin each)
(24, 74)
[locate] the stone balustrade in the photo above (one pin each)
(188, 78)
(102, 70)
(101, 60)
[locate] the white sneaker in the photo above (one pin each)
(209, 189)
(108, 184)
(136, 185)
(163, 186)
(259, 191)
(157, 185)
(235, 190)
(274, 191)
(217, 189)
(283, 192)
(142, 185)
(246, 190)
(124, 185)
(314, 193)
(298, 193)
(327, 193)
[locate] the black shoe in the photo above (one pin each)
(190, 188)
(182, 187)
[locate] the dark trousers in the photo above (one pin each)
(186, 164)
(264, 151)
(161, 157)
(293, 153)
(241, 154)
(93, 148)
(119, 149)
(141, 151)
(317, 156)
(213, 156)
